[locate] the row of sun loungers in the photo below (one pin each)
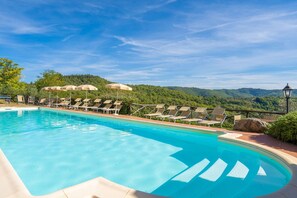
(97, 105)
(199, 115)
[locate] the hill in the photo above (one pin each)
(229, 93)
(148, 94)
(85, 79)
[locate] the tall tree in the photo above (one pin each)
(49, 78)
(10, 76)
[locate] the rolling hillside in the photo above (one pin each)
(229, 93)
(148, 94)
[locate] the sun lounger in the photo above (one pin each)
(50, 102)
(60, 103)
(236, 119)
(217, 116)
(199, 114)
(20, 99)
(107, 102)
(42, 101)
(185, 112)
(77, 100)
(85, 104)
(172, 112)
(117, 102)
(66, 103)
(75, 106)
(96, 105)
(116, 109)
(77, 103)
(159, 111)
(31, 100)
(105, 105)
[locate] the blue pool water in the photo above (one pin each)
(51, 150)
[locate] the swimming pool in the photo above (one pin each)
(51, 150)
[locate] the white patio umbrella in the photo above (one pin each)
(56, 88)
(86, 88)
(118, 87)
(49, 93)
(69, 88)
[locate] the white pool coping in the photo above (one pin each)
(4, 109)
(11, 185)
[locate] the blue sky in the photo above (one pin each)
(206, 44)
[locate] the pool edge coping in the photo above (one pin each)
(287, 191)
(4, 109)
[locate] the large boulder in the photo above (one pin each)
(251, 125)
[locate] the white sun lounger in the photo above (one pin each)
(85, 104)
(106, 105)
(199, 114)
(116, 109)
(185, 113)
(20, 99)
(97, 104)
(159, 111)
(172, 112)
(217, 116)
(75, 106)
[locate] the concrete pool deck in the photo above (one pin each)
(11, 185)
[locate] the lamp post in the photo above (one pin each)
(287, 93)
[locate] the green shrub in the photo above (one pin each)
(285, 128)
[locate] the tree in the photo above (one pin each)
(31, 90)
(49, 78)
(10, 76)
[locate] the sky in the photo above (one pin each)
(207, 44)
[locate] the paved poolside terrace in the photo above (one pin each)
(11, 185)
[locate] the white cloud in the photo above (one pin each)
(205, 46)
(18, 24)
(67, 38)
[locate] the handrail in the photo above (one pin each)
(256, 111)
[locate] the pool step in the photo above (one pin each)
(191, 172)
(215, 171)
(239, 170)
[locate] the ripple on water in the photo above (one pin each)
(51, 151)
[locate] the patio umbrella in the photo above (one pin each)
(49, 93)
(118, 87)
(69, 88)
(86, 88)
(56, 88)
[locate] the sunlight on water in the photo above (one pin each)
(52, 150)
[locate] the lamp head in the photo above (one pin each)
(287, 90)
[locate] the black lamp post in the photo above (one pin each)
(287, 93)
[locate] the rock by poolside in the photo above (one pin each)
(251, 125)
